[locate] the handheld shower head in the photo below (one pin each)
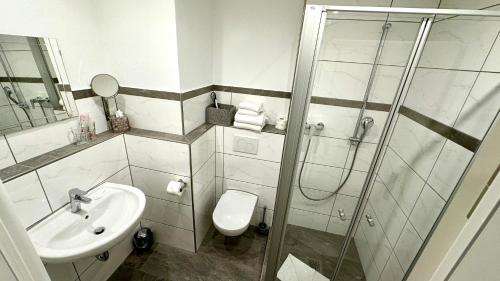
(367, 122)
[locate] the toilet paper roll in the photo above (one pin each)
(176, 187)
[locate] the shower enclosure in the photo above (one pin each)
(389, 107)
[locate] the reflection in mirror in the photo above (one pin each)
(33, 85)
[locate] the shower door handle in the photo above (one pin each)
(370, 220)
(342, 215)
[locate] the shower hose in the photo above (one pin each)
(358, 143)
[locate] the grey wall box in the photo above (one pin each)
(224, 115)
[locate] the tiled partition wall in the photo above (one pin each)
(452, 101)
(254, 173)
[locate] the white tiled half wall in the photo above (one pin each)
(254, 173)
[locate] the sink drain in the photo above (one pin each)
(99, 230)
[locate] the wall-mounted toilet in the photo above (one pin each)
(233, 212)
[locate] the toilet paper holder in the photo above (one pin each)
(183, 185)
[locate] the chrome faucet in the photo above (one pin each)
(76, 196)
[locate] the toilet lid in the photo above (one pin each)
(234, 209)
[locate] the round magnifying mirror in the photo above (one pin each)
(104, 85)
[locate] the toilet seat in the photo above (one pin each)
(233, 212)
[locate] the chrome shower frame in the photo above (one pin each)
(311, 36)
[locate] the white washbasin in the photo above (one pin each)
(65, 236)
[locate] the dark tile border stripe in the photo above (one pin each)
(251, 91)
(25, 79)
(84, 93)
(456, 136)
(150, 93)
(64, 87)
(197, 92)
(351, 103)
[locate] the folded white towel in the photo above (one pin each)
(258, 120)
(248, 126)
(248, 112)
(253, 106)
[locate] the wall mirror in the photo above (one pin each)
(34, 89)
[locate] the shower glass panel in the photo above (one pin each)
(452, 100)
(358, 68)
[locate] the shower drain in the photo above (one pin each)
(99, 230)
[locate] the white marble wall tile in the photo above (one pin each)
(37, 141)
(94, 108)
(219, 187)
(152, 114)
(386, 83)
(302, 203)
(203, 210)
(412, 4)
(346, 203)
(365, 255)
(202, 149)
(167, 212)
(338, 226)
(194, 111)
(481, 106)
(377, 241)
(459, 43)
(369, 267)
(350, 41)
(219, 162)
(154, 184)
(219, 138)
(319, 177)
(449, 167)
(426, 211)
(83, 170)
(122, 177)
(6, 158)
(341, 80)
(326, 151)
(159, 155)
(403, 183)
(364, 158)
(29, 200)
(251, 170)
(223, 97)
(339, 121)
(377, 3)
(388, 212)
(408, 245)
(266, 194)
(103, 270)
(172, 236)
(270, 146)
(357, 41)
(491, 63)
(354, 184)
(392, 270)
(430, 89)
(273, 107)
(417, 145)
(204, 179)
(308, 219)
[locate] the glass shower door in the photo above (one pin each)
(359, 63)
(452, 99)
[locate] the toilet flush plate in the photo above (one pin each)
(246, 145)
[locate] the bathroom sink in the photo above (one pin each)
(113, 213)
